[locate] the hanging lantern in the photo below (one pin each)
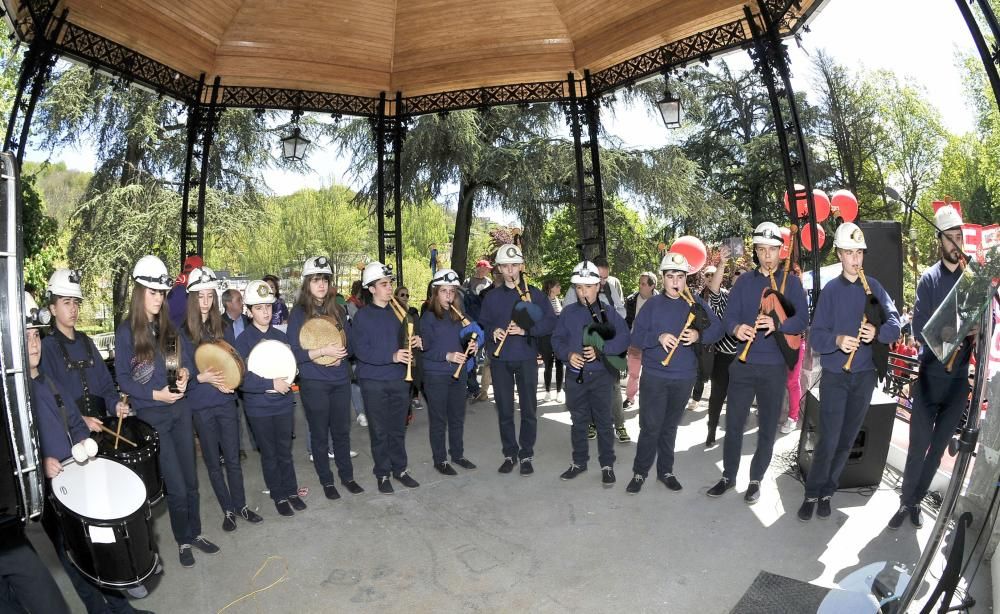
(670, 106)
(294, 146)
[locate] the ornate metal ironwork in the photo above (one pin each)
(298, 100)
(583, 113)
(203, 120)
(540, 91)
(104, 53)
(390, 131)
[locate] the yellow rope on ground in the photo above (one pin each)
(253, 593)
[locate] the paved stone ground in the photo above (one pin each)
(487, 542)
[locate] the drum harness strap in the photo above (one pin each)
(80, 366)
(62, 408)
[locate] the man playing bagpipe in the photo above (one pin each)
(670, 330)
(513, 315)
(768, 321)
(855, 319)
(590, 338)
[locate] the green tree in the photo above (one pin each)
(41, 235)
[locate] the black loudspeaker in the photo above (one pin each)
(871, 447)
(884, 257)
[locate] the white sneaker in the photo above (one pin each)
(547, 398)
(354, 454)
(362, 420)
(692, 405)
(310, 458)
(329, 455)
(789, 426)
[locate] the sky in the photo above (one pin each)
(917, 39)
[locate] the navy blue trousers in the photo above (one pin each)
(174, 425)
(525, 374)
(843, 402)
(938, 404)
(590, 403)
(386, 403)
(328, 411)
(767, 383)
(274, 437)
(446, 414)
(219, 429)
(25, 581)
(663, 403)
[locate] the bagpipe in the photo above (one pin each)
(697, 319)
(524, 313)
(470, 332)
(773, 303)
(595, 334)
(874, 314)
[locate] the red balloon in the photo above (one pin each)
(822, 202)
(800, 191)
(807, 236)
(845, 202)
(786, 243)
(693, 249)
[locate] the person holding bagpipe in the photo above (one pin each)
(385, 373)
(213, 405)
(150, 371)
(324, 377)
(671, 330)
(589, 338)
(941, 391)
(514, 315)
(854, 322)
(450, 346)
(767, 312)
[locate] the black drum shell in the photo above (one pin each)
(144, 460)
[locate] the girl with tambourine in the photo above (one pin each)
(269, 407)
(324, 377)
(149, 369)
(213, 404)
(445, 371)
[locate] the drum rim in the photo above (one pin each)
(229, 349)
(128, 584)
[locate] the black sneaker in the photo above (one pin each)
(407, 480)
(249, 515)
(753, 492)
(710, 439)
(297, 503)
(573, 471)
(915, 517)
(635, 484)
(607, 477)
(445, 468)
(897, 519)
(507, 466)
(384, 485)
(284, 508)
(626, 404)
(186, 556)
(592, 432)
(670, 481)
(204, 545)
(526, 468)
(720, 488)
(353, 487)
(331, 492)
(823, 509)
(622, 434)
(465, 463)
(806, 509)
(229, 522)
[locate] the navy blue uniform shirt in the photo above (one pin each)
(257, 402)
(139, 380)
(744, 305)
(81, 348)
(440, 336)
(934, 285)
(567, 337)
(55, 442)
(374, 340)
(662, 314)
(838, 312)
(498, 304)
(307, 368)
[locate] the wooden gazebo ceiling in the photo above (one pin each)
(364, 47)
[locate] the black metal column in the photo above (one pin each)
(990, 58)
(583, 112)
(203, 120)
(390, 130)
(771, 59)
(35, 72)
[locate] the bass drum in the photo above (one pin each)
(144, 459)
(106, 522)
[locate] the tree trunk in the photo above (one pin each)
(120, 277)
(463, 227)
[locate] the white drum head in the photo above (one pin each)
(272, 359)
(101, 489)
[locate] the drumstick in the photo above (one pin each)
(118, 431)
(458, 370)
(110, 432)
